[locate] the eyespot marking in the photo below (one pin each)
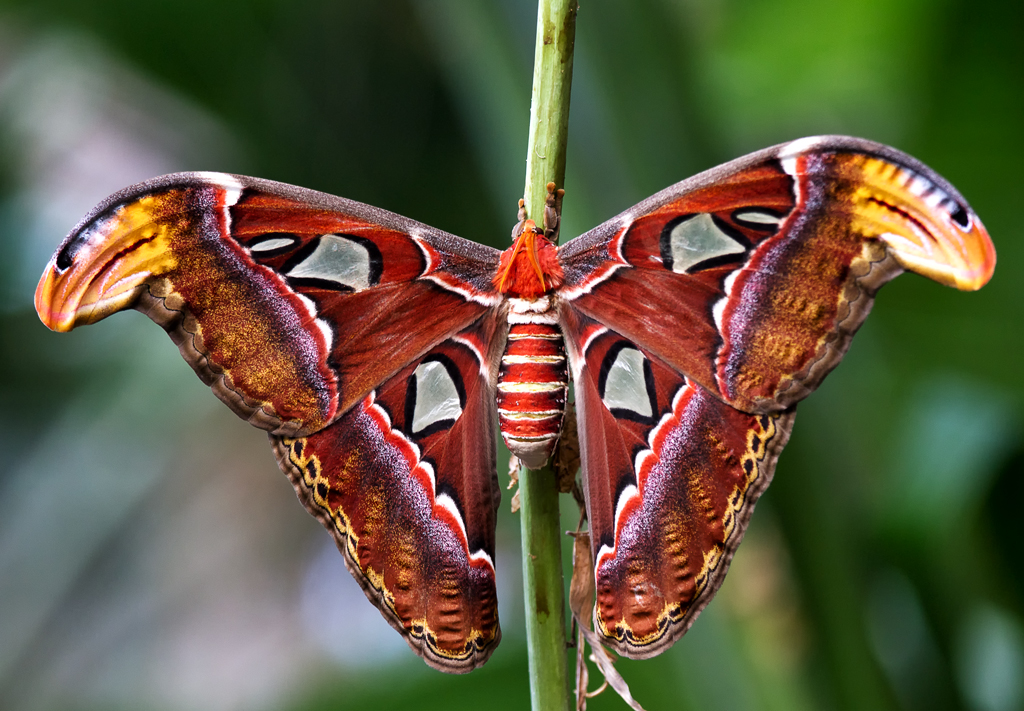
(961, 217)
(67, 254)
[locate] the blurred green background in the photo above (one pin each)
(153, 557)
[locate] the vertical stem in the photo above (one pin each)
(543, 586)
(543, 589)
(549, 107)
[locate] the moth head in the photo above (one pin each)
(529, 268)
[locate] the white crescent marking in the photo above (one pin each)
(271, 244)
(756, 216)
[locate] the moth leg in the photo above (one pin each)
(517, 231)
(553, 212)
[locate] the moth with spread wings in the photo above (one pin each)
(379, 353)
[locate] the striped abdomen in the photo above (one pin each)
(532, 384)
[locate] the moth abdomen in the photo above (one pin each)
(532, 386)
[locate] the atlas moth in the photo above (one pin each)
(379, 353)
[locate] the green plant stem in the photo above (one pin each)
(543, 589)
(549, 106)
(543, 586)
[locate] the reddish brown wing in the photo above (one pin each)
(671, 476)
(752, 278)
(291, 304)
(406, 482)
(695, 321)
(365, 343)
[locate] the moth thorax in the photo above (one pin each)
(532, 385)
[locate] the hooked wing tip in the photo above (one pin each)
(52, 317)
(88, 290)
(962, 259)
(926, 224)
(103, 264)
